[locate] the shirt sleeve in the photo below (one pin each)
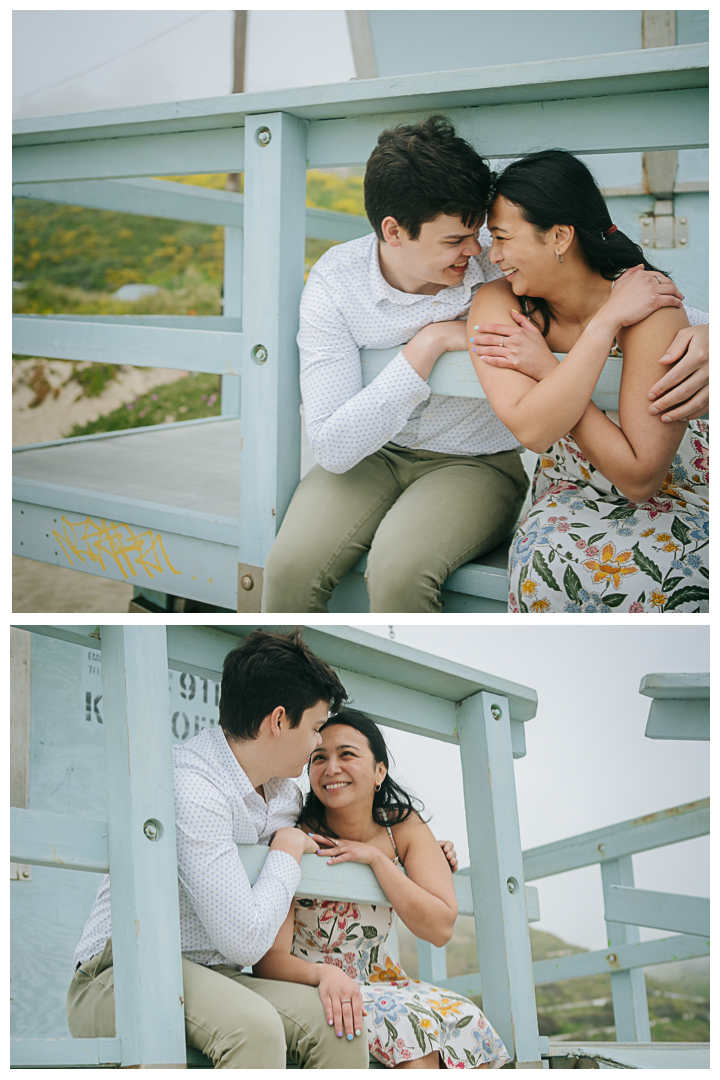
(346, 422)
(695, 317)
(241, 921)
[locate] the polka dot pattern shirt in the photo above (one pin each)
(223, 920)
(347, 305)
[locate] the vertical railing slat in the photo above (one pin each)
(274, 226)
(629, 993)
(232, 306)
(143, 871)
(496, 872)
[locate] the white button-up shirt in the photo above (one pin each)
(223, 920)
(347, 305)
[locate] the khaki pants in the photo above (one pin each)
(240, 1022)
(419, 514)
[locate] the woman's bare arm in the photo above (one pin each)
(636, 456)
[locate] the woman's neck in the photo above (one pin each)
(575, 297)
(352, 823)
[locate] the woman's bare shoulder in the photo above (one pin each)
(497, 291)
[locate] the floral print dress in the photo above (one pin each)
(584, 547)
(406, 1018)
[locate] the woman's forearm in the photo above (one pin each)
(426, 916)
(278, 964)
(547, 410)
(636, 476)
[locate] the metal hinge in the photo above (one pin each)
(662, 229)
(20, 872)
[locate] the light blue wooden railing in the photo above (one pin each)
(401, 688)
(649, 99)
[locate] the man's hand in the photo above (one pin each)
(684, 390)
(635, 295)
(432, 341)
(448, 850)
(521, 347)
(294, 841)
(341, 1000)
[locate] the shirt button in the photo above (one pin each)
(435, 302)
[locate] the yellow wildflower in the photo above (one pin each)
(585, 472)
(648, 532)
(663, 536)
(548, 463)
(445, 1005)
(540, 605)
(611, 565)
(657, 598)
(389, 973)
(529, 587)
(671, 546)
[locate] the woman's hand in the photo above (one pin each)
(448, 849)
(346, 850)
(341, 1000)
(686, 384)
(521, 347)
(636, 294)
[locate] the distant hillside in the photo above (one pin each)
(678, 1001)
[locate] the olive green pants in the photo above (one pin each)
(236, 1020)
(419, 514)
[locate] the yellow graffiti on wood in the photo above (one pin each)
(105, 542)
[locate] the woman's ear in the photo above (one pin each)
(563, 237)
(380, 773)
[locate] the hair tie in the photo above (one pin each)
(610, 231)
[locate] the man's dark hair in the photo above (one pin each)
(419, 171)
(270, 669)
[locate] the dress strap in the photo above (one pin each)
(392, 838)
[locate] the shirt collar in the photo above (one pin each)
(456, 295)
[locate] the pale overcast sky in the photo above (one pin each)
(192, 58)
(588, 763)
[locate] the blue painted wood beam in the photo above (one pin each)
(65, 841)
(64, 1053)
(626, 838)
(631, 72)
(660, 910)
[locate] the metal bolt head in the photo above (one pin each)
(152, 830)
(259, 354)
(246, 582)
(683, 240)
(25, 874)
(683, 221)
(495, 712)
(612, 958)
(511, 885)
(263, 136)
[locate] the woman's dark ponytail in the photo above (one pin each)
(553, 187)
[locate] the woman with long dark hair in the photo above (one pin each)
(357, 813)
(619, 520)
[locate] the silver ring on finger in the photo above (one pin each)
(347, 1001)
(658, 280)
(502, 342)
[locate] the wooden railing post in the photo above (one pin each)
(629, 993)
(274, 227)
(149, 1014)
(496, 872)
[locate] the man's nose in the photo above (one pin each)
(472, 246)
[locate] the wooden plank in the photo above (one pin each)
(626, 838)
(151, 198)
(636, 1055)
(59, 840)
(214, 351)
(672, 119)
(660, 910)
(620, 958)
(679, 719)
(454, 375)
(171, 154)
(64, 1053)
(148, 986)
(496, 872)
(633, 71)
(232, 307)
(88, 636)
(401, 708)
(273, 280)
(664, 685)
(182, 202)
(600, 962)
(398, 664)
(629, 992)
